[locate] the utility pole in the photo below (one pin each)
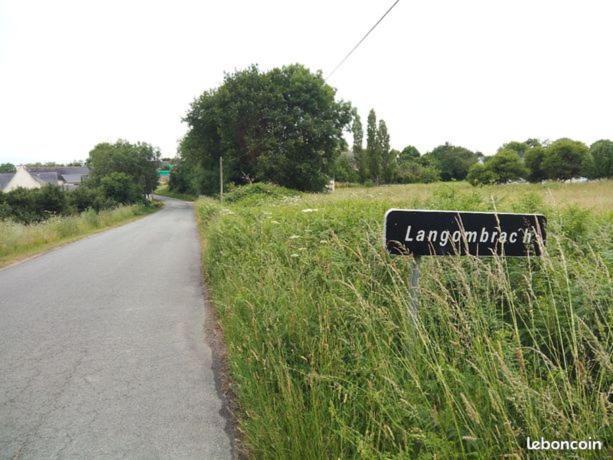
(221, 179)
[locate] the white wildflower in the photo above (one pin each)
(309, 210)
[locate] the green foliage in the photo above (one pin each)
(602, 155)
(479, 174)
(119, 187)
(27, 206)
(565, 159)
(326, 359)
(518, 147)
(344, 170)
(23, 238)
(388, 156)
(533, 160)
(50, 200)
(257, 193)
(7, 168)
(283, 126)
(373, 152)
(452, 161)
(361, 158)
(507, 166)
(83, 198)
(409, 153)
(138, 161)
(411, 172)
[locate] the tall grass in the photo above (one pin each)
(327, 362)
(18, 239)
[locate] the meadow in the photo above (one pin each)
(18, 241)
(326, 361)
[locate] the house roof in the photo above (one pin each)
(5, 178)
(50, 177)
(72, 178)
(70, 174)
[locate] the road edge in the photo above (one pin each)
(214, 338)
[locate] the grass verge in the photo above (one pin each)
(163, 191)
(20, 241)
(326, 361)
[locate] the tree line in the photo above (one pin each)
(286, 126)
(532, 160)
(121, 173)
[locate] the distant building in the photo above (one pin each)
(68, 177)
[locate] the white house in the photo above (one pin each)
(65, 177)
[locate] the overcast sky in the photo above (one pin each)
(474, 73)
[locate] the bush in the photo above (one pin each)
(84, 198)
(411, 171)
(478, 174)
(258, 193)
(120, 188)
(344, 170)
(50, 200)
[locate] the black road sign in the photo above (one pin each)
(443, 233)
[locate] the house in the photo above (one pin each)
(66, 177)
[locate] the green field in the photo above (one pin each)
(326, 362)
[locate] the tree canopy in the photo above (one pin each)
(565, 159)
(283, 126)
(7, 168)
(137, 161)
(452, 161)
(602, 158)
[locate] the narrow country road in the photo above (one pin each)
(103, 352)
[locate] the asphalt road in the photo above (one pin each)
(103, 352)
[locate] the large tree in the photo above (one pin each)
(359, 155)
(602, 156)
(452, 161)
(283, 126)
(388, 156)
(138, 161)
(565, 159)
(372, 147)
(533, 160)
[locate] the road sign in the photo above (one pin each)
(442, 233)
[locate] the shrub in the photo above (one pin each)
(84, 198)
(120, 188)
(50, 200)
(411, 171)
(344, 170)
(478, 174)
(258, 193)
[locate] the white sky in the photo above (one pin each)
(474, 72)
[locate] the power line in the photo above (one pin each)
(362, 39)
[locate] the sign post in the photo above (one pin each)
(417, 233)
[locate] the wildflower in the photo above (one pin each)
(293, 237)
(309, 210)
(294, 255)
